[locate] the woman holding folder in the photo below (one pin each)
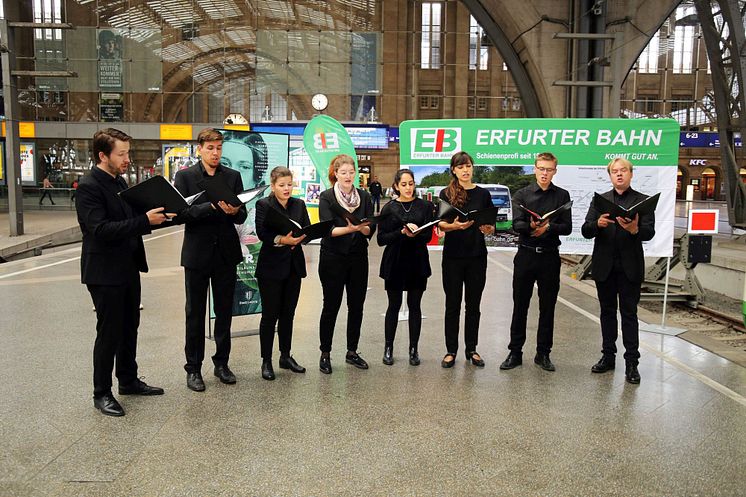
(343, 262)
(464, 259)
(405, 265)
(280, 269)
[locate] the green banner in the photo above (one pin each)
(324, 138)
(582, 142)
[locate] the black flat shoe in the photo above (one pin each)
(477, 361)
(108, 405)
(224, 373)
(543, 361)
(195, 382)
(388, 355)
(287, 362)
(267, 372)
(513, 360)
(355, 359)
(631, 374)
(414, 357)
(448, 364)
(606, 363)
(139, 387)
(325, 363)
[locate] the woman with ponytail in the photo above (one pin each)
(464, 260)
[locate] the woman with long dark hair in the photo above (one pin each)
(279, 271)
(464, 260)
(343, 261)
(405, 265)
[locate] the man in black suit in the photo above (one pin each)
(618, 267)
(112, 257)
(375, 190)
(210, 253)
(537, 260)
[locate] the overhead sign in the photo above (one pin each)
(703, 139)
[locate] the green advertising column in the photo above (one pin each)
(324, 138)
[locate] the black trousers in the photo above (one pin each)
(544, 270)
(376, 199)
(117, 320)
(414, 299)
(463, 277)
(279, 299)
(337, 274)
(46, 193)
(618, 288)
(222, 277)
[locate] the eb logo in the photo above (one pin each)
(326, 141)
(435, 143)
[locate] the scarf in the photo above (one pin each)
(349, 201)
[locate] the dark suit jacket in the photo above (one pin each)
(351, 243)
(275, 262)
(112, 231)
(630, 246)
(208, 231)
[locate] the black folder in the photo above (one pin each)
(424, 227)
(341, 211)
(157, 192)
(280, 223)
(217, 189)
(448, 212)
(540, 218)
(606, 206)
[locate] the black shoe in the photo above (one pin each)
(287, 362)
(543, 361)
(139, 387)
(448, 364)
(355, 359)
(224, 373)
(477, 361)
(325, 363)
(513, 360)
(631, 373)
(267, 372)
(108, 405)
(388, 355)
(414, 357)
(606, 363)
(195, 382)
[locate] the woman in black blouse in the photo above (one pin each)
(343, 262)
(464, 259)
(405, 265)
(279, 271)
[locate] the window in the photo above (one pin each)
(478, 53)
(683, 46)
(48, 11)
(431, 35)
(424, 103)
(648, 62)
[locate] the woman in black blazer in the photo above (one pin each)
(279, 271)
(343, 263)
(405, 265)
(464, 260)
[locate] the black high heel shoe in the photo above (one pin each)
(448, 364)
(478, 362)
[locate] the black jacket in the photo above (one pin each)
(614, 239)
(112, 231)
(400, 249)
(207, 229)
(352, 243)
(276, 262)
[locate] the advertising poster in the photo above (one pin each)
(111, 107)
(110, 74)
(28, 164)
(254, 155)
(504, 151)
(177, 156)
(2, 163)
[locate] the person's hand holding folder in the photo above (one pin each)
(290, 240)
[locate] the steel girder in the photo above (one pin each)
(725, 38)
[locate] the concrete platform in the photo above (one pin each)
(391, 430)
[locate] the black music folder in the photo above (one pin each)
(217, 189)
(157, 192)
(540, 218)
(422, 228)
(606, 206)
(488, 215)
(353, 219)
(284, 225)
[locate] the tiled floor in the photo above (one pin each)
(391, 430)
